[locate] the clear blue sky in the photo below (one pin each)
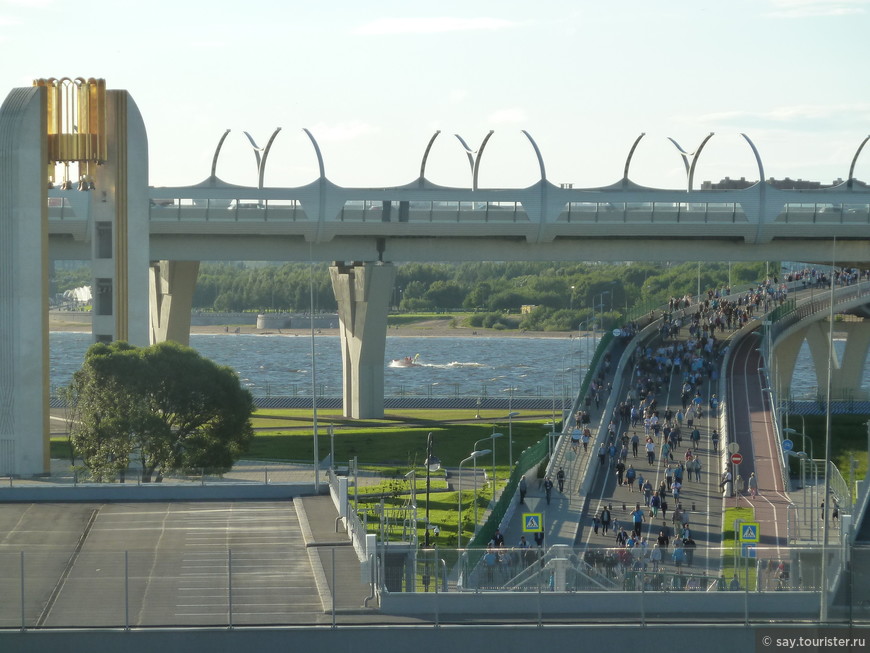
(373, 81)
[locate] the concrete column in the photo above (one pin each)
(171, 286)
(847, 381)
(363, 294)
(24, 269)
(846, 372)
(785, 355)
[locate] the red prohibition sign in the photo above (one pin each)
(736, 458)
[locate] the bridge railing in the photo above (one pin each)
(271, 582)
(657, 212)
(824, 213)
(252, 208)
(594, 584)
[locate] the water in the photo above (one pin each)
(805, 384)
(467, 367)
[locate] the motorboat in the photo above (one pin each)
(407, 361)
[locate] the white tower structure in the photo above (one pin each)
(47, 131)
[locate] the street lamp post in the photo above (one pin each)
(492, 437)
(511, 416)
(600, 304)
(432, 465)
(332, 446)
(571, 305)
(412, 478)
(474, 456)
(792, 432)
(474, 474)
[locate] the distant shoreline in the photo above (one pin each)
(420, 330)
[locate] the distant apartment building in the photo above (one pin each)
(782, 184)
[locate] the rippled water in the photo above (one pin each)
(469, 366)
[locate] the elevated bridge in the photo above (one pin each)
(145, 243)
(424, 222)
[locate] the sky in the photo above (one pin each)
(373, 81)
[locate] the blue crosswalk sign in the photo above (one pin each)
(749, 532)
(533, 522)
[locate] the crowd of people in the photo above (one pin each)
(657, 450)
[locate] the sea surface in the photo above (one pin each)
(280, 365)
(274, 364)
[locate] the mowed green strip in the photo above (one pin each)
(397, 440)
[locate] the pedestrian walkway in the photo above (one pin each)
(695, 511)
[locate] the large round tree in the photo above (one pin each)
(164, 407)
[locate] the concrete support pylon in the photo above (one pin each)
(171, 286)
(846, 371)
(362, 291)
(847, 382)
(785, 354)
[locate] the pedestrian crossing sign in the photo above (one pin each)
(749, 532)
(533, 522)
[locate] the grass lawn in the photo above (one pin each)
(732, 562)
(848, 440)
(442, 512)
(398, 441)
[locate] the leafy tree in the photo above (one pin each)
(445, 294)
(165, 406)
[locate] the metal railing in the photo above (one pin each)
(269, 584)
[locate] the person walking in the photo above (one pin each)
(725, 484)
(638, 518)
(697, 468)
(714, 406)
(696, 438)
(560, 477)
(548, 488)
(605, 520)
(523, 489)
(655, 503)
(630, 475)
(650, 451)
(753, 485)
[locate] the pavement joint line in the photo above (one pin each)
(67, 569)
(323, 590)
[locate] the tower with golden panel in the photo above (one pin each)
(69, 149)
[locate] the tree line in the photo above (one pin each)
(564, 294)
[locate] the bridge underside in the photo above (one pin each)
(283, 247)
(847, 370)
